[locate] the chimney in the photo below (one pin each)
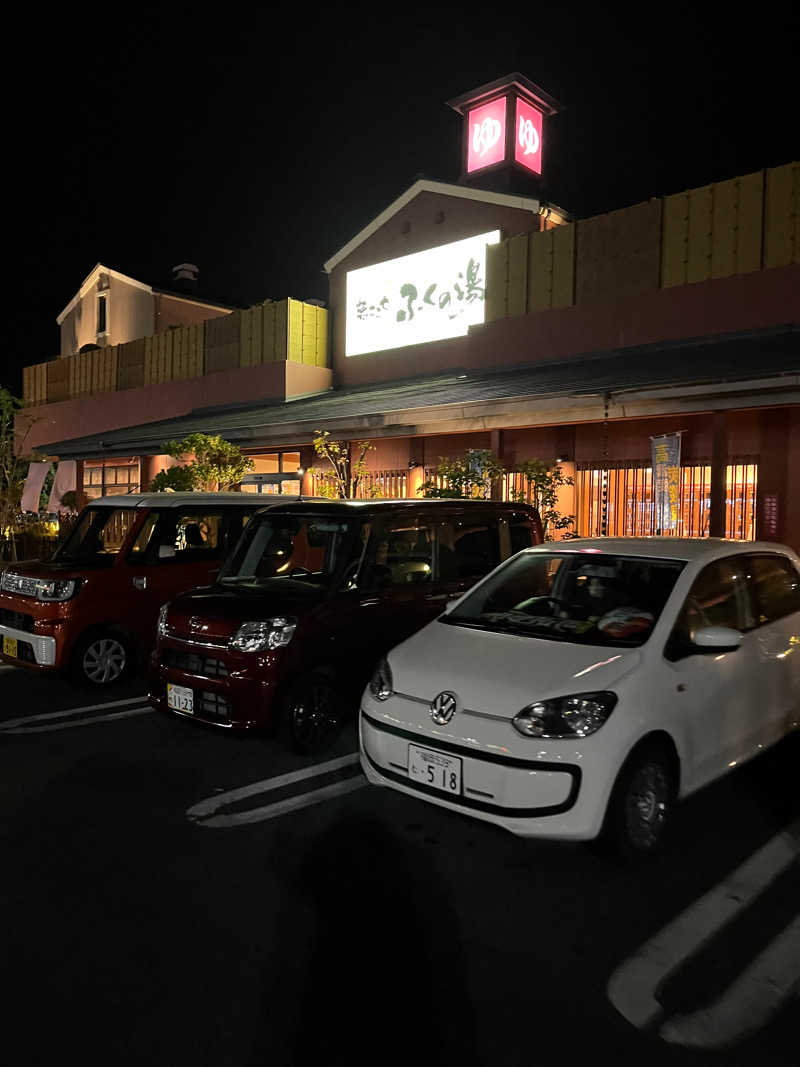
(184, 277)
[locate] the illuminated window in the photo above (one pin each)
(111, 477)
(630, 509)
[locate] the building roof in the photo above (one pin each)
(425, 185)
(765, 361)
(91, 280)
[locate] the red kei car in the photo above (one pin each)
(314, 594)
(92, 609)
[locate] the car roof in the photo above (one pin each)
(177, 500)
(681, 548)
(323, 504)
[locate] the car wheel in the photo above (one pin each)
(641, 804)
(101, 659)
(314, 714)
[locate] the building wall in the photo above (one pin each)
(129, 314)
(430, 219)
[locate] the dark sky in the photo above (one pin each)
(256, 141)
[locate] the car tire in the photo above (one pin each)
(640, 809)
(313, 714)
(101, 659)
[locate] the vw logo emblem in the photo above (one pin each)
(443, 708)
(195, 623)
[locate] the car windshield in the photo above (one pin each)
(586, 598)
(97, 536)
(307, 548)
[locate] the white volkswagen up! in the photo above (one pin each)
(582, 687)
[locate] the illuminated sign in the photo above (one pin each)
(528, 136)
(487, 135)
(427, 296)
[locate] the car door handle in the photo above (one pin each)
(140, 582)
(446, 596)
(371, 603)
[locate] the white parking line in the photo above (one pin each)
(48, 716)
(202, 813)
(754, 996)
(81, 722)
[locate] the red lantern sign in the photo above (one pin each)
(487, 135)
(528, 136)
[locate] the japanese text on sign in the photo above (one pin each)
(427, 296)
(666, 455)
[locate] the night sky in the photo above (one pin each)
(255, 142)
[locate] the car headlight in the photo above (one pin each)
(571, 716)
(162, 620)
(267, 633)
(380, 684)
(57, 588)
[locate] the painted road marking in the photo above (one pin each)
(754, 997)
(31, 724)
(204, 812)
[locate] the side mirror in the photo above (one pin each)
(717, 639)
(166, 552)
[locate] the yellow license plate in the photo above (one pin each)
(10, 647)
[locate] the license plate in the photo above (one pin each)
(10, 647)
(428, 767)
(180, 698)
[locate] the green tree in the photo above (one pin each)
(541, 485)
(209, 463)
(14, 463)
(465, 476)
(348, 465)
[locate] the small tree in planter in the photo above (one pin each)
(215, 465)
(541, 485)
(468, 476)
(348, 465)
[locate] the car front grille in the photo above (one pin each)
(214, 706)
(17, 620)
(17, 583)
(194, 663)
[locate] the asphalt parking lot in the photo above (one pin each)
(174, 895)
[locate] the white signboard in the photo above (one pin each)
(427, 296)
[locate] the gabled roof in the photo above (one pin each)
(425, 185)
(91, 279)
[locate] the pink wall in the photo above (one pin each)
(101, 412)
(724, 305)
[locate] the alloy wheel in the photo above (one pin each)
(104, 660)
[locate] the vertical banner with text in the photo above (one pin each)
(666, 454)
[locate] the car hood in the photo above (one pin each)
(214, 611)
(501, 673)
(37, 568)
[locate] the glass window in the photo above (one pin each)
(98, 536)
(307, 548)
(717, 598)
(290, 462)
(403, 553)
(469, 547)
(268, 464)
(775, 587)
(597, 599)
(144, 539)
(198, 535)
(520, 532)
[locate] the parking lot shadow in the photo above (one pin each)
(374, 971)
